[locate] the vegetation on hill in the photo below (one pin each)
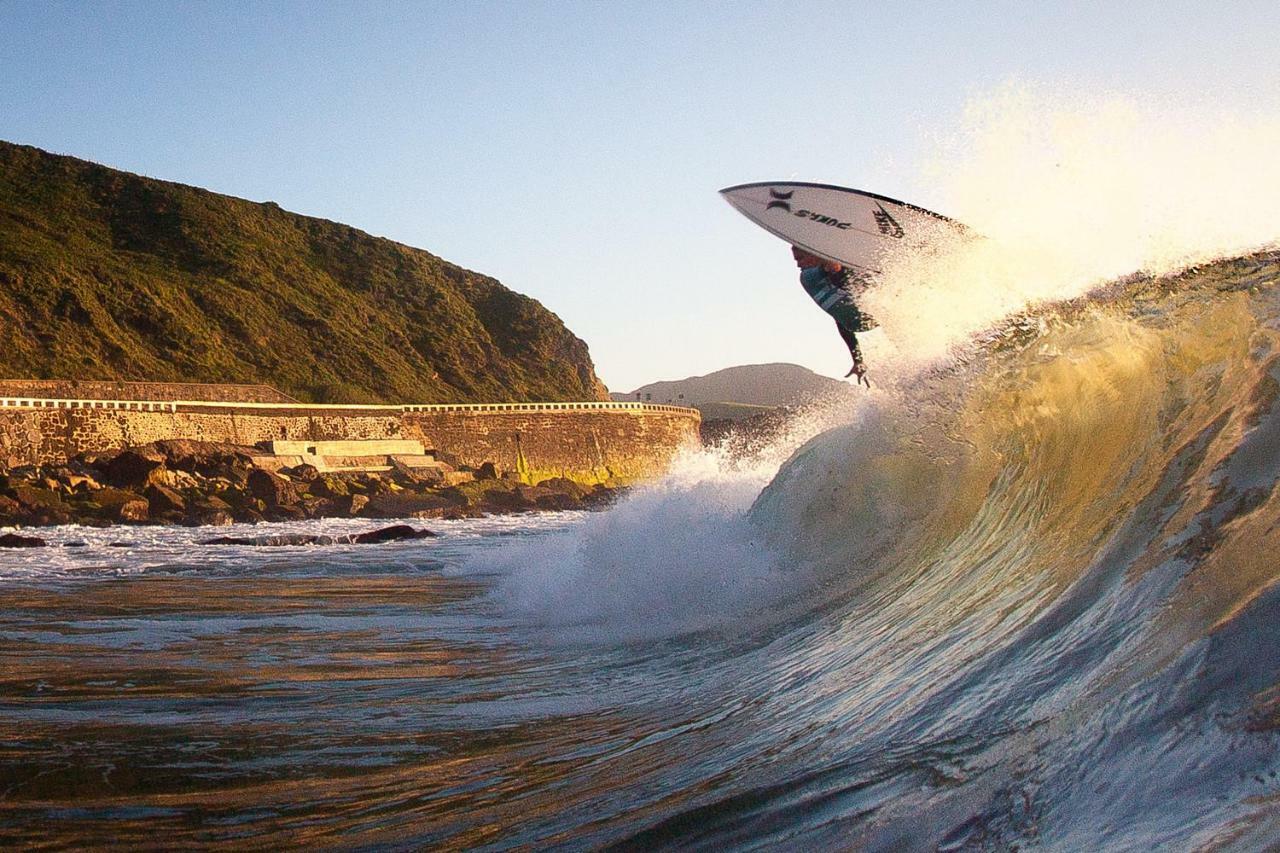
(109, 275)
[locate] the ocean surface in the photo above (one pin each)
(1025, 598)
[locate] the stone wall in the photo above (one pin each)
(71, 389)
(588, 442)
(589, 445)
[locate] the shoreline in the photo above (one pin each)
(205, 484)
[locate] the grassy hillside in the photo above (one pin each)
(108, 275)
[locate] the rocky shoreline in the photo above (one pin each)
(196, 483)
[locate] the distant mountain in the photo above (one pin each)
(738, 392)
(106, 275)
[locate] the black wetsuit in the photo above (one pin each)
(836, 293)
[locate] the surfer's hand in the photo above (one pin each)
(861, 374)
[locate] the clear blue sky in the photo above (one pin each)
(574, 150)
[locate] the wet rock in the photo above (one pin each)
(285, 513)
(395, 533)
(13, 540)
(208, 517)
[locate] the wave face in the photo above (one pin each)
(1029, 599)
(1055, 566)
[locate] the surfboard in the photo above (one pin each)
(851, 227)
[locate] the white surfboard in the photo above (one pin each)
(850, 227)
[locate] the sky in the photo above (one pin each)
(574, 150)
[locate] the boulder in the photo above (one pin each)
(285, 513)
(174, 479)
(208, 517)
(347, 506)
(556, 501)
(34, 498)
(409, 505)
(120, 505)
(513, 500)
(329, 486)
(488, 471)
(163, 499)
(564, 486)
(131, 468)
(9, 508)
(314, 507)
(395, 533)
(13, 540)
(272, 489)
(304, 473)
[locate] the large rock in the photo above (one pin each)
(349, 505)
(395, 533)
(34, 498)
(164, 499)
(329, 486)
(121, 505)
(131, 467)
(564, 486)
(13, 540)
(409, 505)
(272, 489)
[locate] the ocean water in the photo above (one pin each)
(1023, 598)
(1022, 595)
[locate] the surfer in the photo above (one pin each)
(835, 289)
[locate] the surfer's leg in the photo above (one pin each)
(855, 351)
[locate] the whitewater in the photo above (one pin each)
(1021, 595)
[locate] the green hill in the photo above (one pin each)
(109, 275)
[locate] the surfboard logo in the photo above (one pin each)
(823, 219)
(782, 200)
(888, 226)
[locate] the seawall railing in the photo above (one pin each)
(125, 405)
(372, 409)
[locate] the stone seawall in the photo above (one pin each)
(587, 442)
(591, 445)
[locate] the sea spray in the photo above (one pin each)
(1068, 191)
(674, 557)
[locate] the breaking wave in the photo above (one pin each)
(1029, 599)
(1025, 592)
